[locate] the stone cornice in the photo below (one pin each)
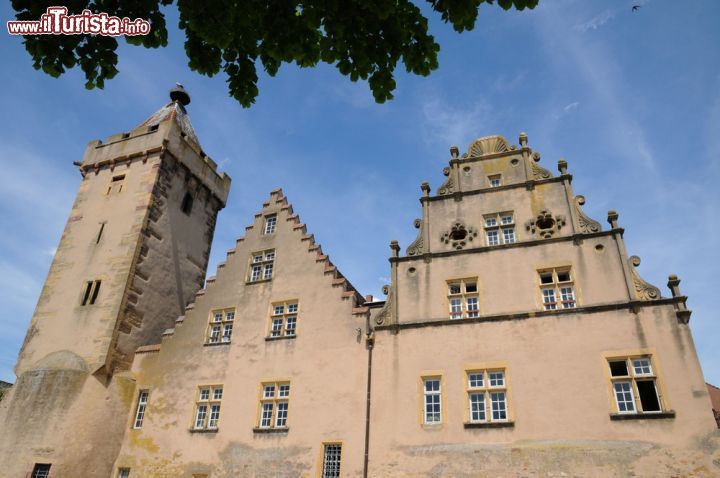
(535, 242)
(525, 184)
(625, 305)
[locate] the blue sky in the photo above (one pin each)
(631, 100)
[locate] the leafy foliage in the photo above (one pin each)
(364, 39)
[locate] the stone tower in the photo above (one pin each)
(133, 253)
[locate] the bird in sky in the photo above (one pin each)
(635, 8)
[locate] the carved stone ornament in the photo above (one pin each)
(448, 187)
(585, 224)
(418, 246)
(459, 235)
(643, 289)
(538, 171)
(545, 225)
(487, 145)
(385, 314)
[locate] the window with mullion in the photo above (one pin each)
(140, 410)
(274, 405)
(499, 229)
(283, 319)
(557, 289)
(221, 326)
(487, 396)
(634, 385)
(261, 265)
(207, 411)
(463, 298)
(432, 394)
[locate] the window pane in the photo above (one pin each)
(549, 300)
(292, 308)
(200, 416)
(499, 406)
(267, 274)
(204, 394)
(230, 316)
(281, 416)
(567, 296)
(475, 380)
(497, 379)
(472, 307)
(506, 219)
(290, 325)
(276, 327)
(492, 238)
(269, 391)
(217, 393)
(214, 416)
(642, 366)
(266, 418)
(477, 407)
(490, 221)
(509, 235)
(563, 276)
(624, 397)
(284, 391)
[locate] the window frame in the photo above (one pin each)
(283, 319)
(221, 326)
(141, 408)
(35, 473)
(209, 403)
(632, 377)
(496, 225)
(557, 288)
(267, 224)
(494, 177)
(265, 263)
(322, 460)
(116, 184)
(464, 296)
(123, 472)
(424, 394)
(277, 399)
(487, 390)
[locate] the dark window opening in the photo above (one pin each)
(92, 289)
(126, 135)
(100, 233)
(458, 234)
(41, 470)
(95, 292)
(545, 223)
(563, 276)
(187, 204)
(648, 395)
(118, 178)
(546, 278)
(471, 287)
(619, 368)
(154, 127)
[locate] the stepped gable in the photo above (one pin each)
(278, 204)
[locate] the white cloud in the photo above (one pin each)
(571, 106)
(595, 22)
(445, 124)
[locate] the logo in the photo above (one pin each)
(56, 21)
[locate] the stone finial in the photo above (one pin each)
(523, 140)
(562, 166)
(180, 95)
(425, 187)
(674, 285)
(613, 218)
(395, 246)
(454, 152)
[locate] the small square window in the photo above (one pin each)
(618, 368)
(41, 470)
(495, 181)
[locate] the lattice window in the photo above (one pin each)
(270, 224)
(432, 400)
(557, 289)
(332, 455)
(261, 265)
(463, 300)
(634, 385)
(283, 319)
(499, 228)
(220, 327)
(274, 405)
(487, 396)
(207, 410)
(141, 407)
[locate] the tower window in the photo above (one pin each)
(123, 473)
(116, 184)
(463, 299)
(92, 289)
(41, 470)
(500, 229)
(140, 410)
(100, 233)
(187, 204)
(495, 181)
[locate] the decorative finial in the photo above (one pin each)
(613, 218)
(180, 95)
(523, 140)
(425, 187)
(454, 152)
(395, 248)
(562, 166)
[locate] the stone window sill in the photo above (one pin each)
(489, 424)
(643, 416)
(203, 430)
(216, 344)
(259, 281)
(271, 430)
(281, 337)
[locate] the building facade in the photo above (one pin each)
(517, 337)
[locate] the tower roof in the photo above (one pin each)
(175, 110)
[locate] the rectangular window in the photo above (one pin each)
(283, 318)
(261, 266)
(116, 184)
(92, 290)
(100, 233)
(487, 396)
(274, 404)
(557, 289)
(500, 229)
(634, 385)
(270, 224)
(41, 470)
(123, 473)
(432, 401)
(220, 327)
(331, 460)
(463, 298)
(141, 406)
(495, 181)
(207, 411)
